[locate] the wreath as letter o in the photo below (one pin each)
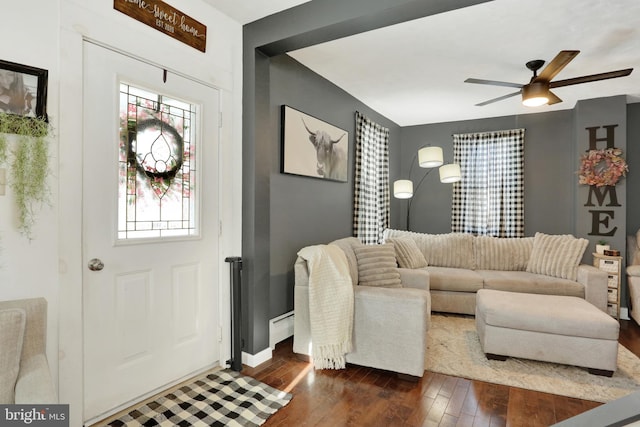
(602, 167)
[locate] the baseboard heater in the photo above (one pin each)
(235, 264)
(280, 328)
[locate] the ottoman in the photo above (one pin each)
(550, 328)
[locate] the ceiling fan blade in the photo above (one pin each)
(557, 64)
(591, 78)
(553, 98)
(494, 83)
(500, 98)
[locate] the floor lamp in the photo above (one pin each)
(428, 157)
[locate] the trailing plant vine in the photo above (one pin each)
(29, 165)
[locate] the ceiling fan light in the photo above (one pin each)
(535, 94)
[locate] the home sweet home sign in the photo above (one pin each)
(167, 19)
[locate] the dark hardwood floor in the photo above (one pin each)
(360, 396)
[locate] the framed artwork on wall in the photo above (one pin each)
(23, 90)
(312, 147)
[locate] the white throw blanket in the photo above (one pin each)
(330, 305)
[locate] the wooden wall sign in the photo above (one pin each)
(167, 19)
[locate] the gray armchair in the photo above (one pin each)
(390, 324)
(24, 370)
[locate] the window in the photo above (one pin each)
(490, 198)
(157, 166)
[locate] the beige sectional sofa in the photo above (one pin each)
(460, 264)
(442, 273)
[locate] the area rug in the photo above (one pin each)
(223, 398)
(454, 349)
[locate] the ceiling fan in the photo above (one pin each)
(537, 91)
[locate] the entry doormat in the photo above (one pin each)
(223, 398)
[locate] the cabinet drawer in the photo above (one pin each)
(612, 281)
(612, 295)
(612, 309)
(609, 265)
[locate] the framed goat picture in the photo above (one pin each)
(312, 147)
(23, 90)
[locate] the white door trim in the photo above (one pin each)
(70, 364)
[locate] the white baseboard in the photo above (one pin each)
(624, 313)
(253, 360)
(280, 328)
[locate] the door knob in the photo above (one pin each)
(95, 264)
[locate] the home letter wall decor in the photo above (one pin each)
(600, 129)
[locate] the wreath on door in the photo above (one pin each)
(602, 167)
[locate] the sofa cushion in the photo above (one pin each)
(407, 253)
(524, 282)
(498, 253)
(443, 250)
(347, 244)
(12, 325)
(556, 255)
(453, 279)
(633, 270)
(377, 266)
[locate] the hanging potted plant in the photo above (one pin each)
(28, 161)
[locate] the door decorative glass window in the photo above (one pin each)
(157, 166)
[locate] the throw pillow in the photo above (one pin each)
(12, 322)
(502, 253)
(556, 255)
(453, 250)
(377, 266)
(408, 254)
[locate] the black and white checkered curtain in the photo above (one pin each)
(371, 200)
(489, 200)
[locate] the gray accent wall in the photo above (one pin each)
(308, 211)
(633, 159)
(554, 201)
(305, 25)
(549, 171)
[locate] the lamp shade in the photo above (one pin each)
(450, 173)
(402, 189)
(430, 157)
(535, 94)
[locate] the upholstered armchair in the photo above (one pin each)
(24, 370)
(389, 325)
(633, 274)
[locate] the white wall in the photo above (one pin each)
(29, 268)
(49, 34)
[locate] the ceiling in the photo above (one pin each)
(413, 73)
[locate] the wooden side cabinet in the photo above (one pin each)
(613, 266)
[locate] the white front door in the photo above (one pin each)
(150, 229)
